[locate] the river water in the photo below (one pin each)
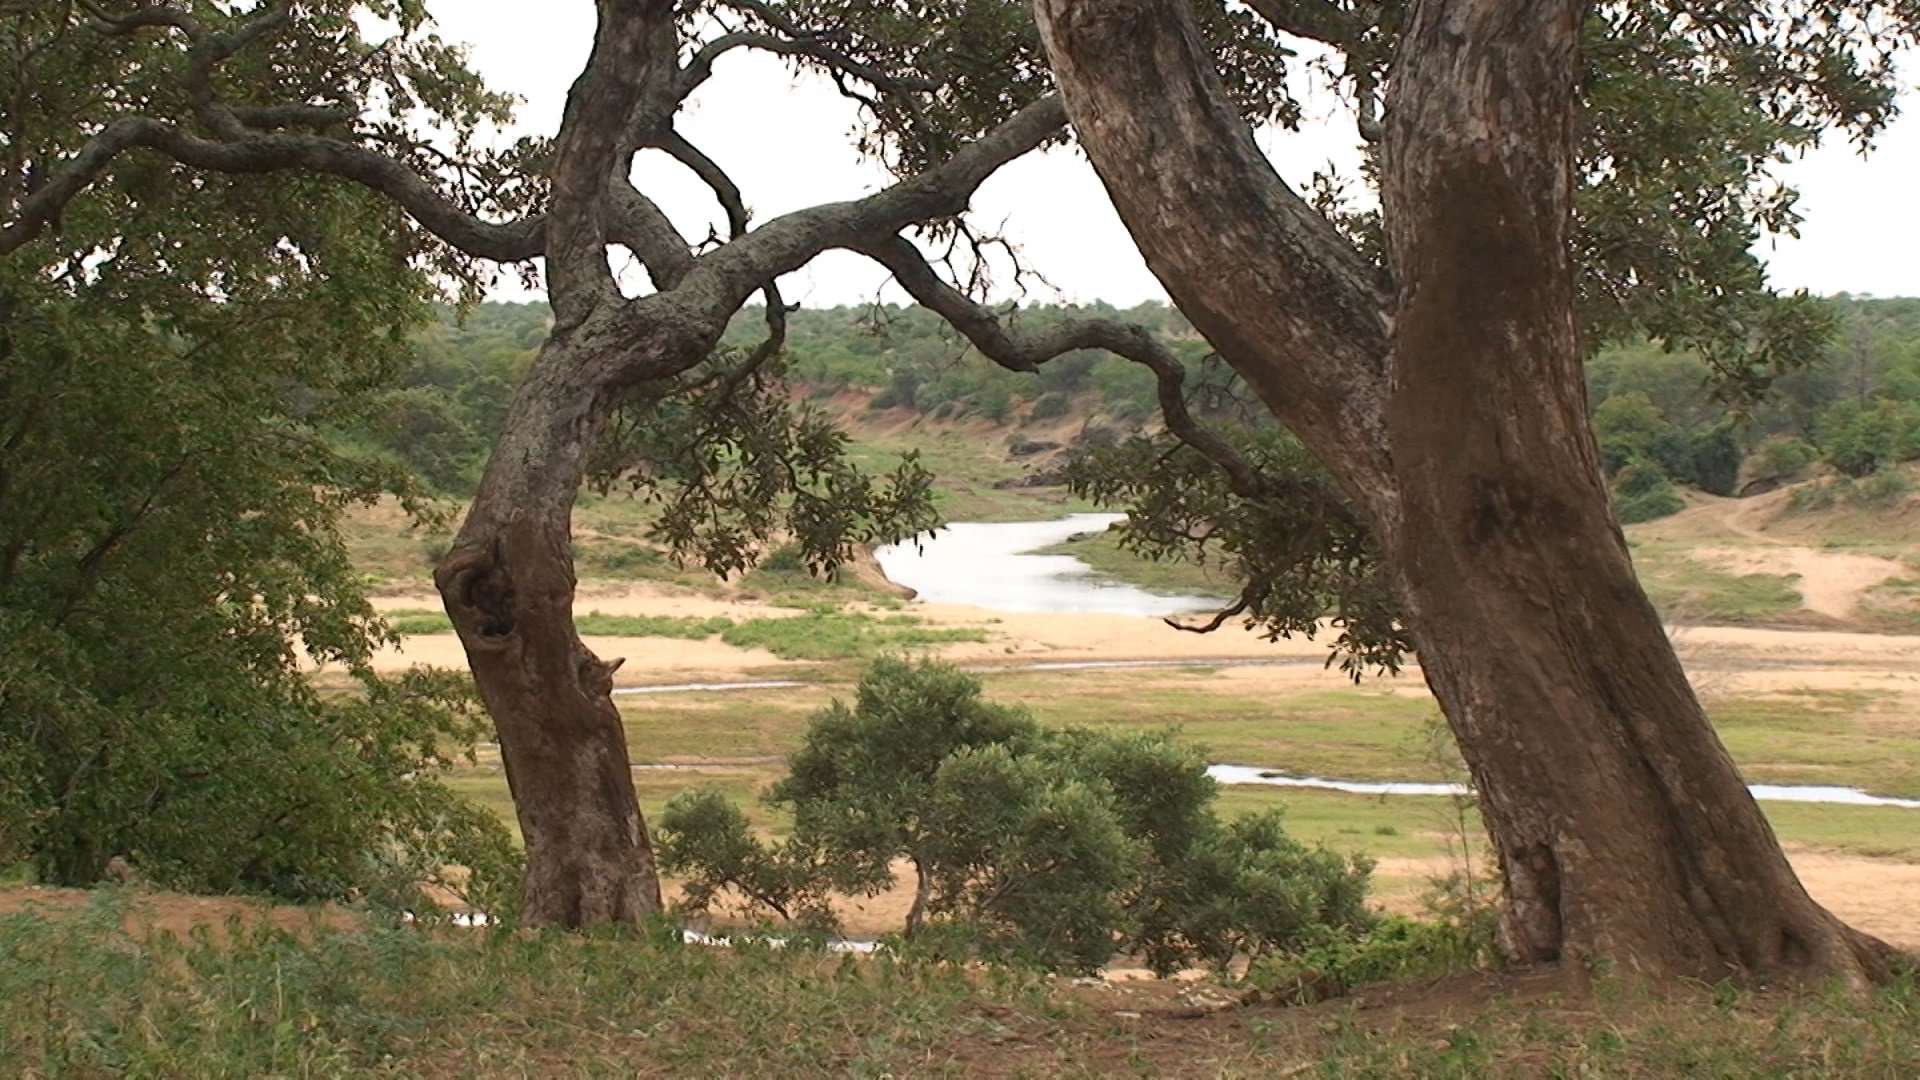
(993, 566)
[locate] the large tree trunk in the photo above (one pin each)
(1623, 828)
(508, 585)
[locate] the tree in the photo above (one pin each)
(170, 502)
(1427, 356)
(1441, 387)
(199, 89)
(1060, 847)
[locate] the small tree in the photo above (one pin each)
(1059, 847)
(862, 785)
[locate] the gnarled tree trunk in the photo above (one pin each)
(1454, 413)
(508, 585)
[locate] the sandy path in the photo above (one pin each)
(1880, 896)
(1831, 582)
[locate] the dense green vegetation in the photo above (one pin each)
(1656, 413)
(1855, 411)
(1059, 847)
(174, 473)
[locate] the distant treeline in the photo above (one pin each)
(1655, 412)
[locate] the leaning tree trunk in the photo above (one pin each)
(1622, 826)
(508, 585)
(1459, 425)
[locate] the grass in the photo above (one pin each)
(82, 996)
(1893, 605)
(408, 622)
(965, 475)
(739, 740)
(1849, 738)
(1355, 733)
(818, 634)
(835, 635)
(416, 621)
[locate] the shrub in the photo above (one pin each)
(1858, 439)
(1880, 490)
(1783, 457)
(902, 392)
(1642, 492)
(1713, 460)
(1059, 848)
(1884, 489)
(1394, 948)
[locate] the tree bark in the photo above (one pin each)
(508, 585)
(1623, 829)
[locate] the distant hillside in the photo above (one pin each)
(888, 371)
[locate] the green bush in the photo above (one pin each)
(1783, 457)
(1394, 948)
(1713, 460)
(1880, 490)
(1059, 848)
(174, 557)
(1642, 492)
(1858, 438)
(1883, 490)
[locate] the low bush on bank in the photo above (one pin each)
(1056, 848)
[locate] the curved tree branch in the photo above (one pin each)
(1020, 350)
(1286, 299)
(274, 152)
(734, 271)
(699, 67)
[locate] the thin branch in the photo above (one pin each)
(734, 271)
(1219, 619)
(1019, 350)
(276, 152)
(699, 67)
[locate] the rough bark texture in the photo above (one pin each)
(508, 585)
(1455, 412)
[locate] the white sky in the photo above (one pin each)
(785, 141)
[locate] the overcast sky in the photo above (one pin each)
(784, 138)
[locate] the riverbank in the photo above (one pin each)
(1800, 707)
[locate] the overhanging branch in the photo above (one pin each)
(1024, 351)
(267, 153)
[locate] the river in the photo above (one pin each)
(992, 565)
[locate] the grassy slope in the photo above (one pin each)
(79, 995)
